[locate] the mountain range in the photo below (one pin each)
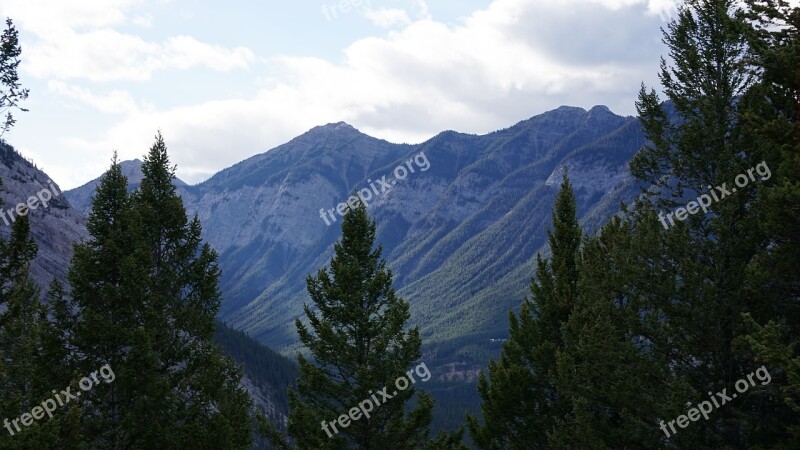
(460, 219)
(460, 233)
(460, 236)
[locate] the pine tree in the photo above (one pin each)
(774, 275)
(183, 301)
(22, 385)
(698, 141)
(144, 300)
(356, 338)
(99, 321)
(616, 384)
(18, 328)
(520, 400)
(11, 91)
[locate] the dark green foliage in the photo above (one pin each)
(24, 357)
(704, 146)
(658, 318)
(357, 341)
(691, 314)
(19, 332)
(774, 273)
(520, 400)
(614, 381)
(144, 300)
(11, 91)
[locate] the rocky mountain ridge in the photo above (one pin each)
(461, 237)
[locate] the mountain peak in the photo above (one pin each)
(600, 108)
(340, 124)
(566, 108)
(335, 127)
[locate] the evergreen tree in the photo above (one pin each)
(104, 321)
(11, 91)
(23, 382)
(183, 301)
(19, 308)
(615, 381)
(144, 299)
(520, 399)
(356, 337)
(698, 142)
(774, 275)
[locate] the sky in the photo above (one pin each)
(224, 82)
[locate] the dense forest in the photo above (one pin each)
(676, 325)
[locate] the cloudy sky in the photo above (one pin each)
(227, 81)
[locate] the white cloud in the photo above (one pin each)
(514, 59)
(503, 64)
(44, 17)
(115, 102)
(387, 18)
(184, 52)
(76, 40)
(108, 55)
(423, 13)
(145, 21)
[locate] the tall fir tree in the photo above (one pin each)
(698, 143)
(102, 321)
(144, 299)
(772, 118)
(19, 336)
(616, 384)
(25, 378)
(358, 344)
(183, 302)
(11, 90)
(520, 401)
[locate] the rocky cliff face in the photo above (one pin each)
(54, 227)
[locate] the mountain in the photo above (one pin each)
(460, 231)
(55, 227)
(460, 235)
(81, 197)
